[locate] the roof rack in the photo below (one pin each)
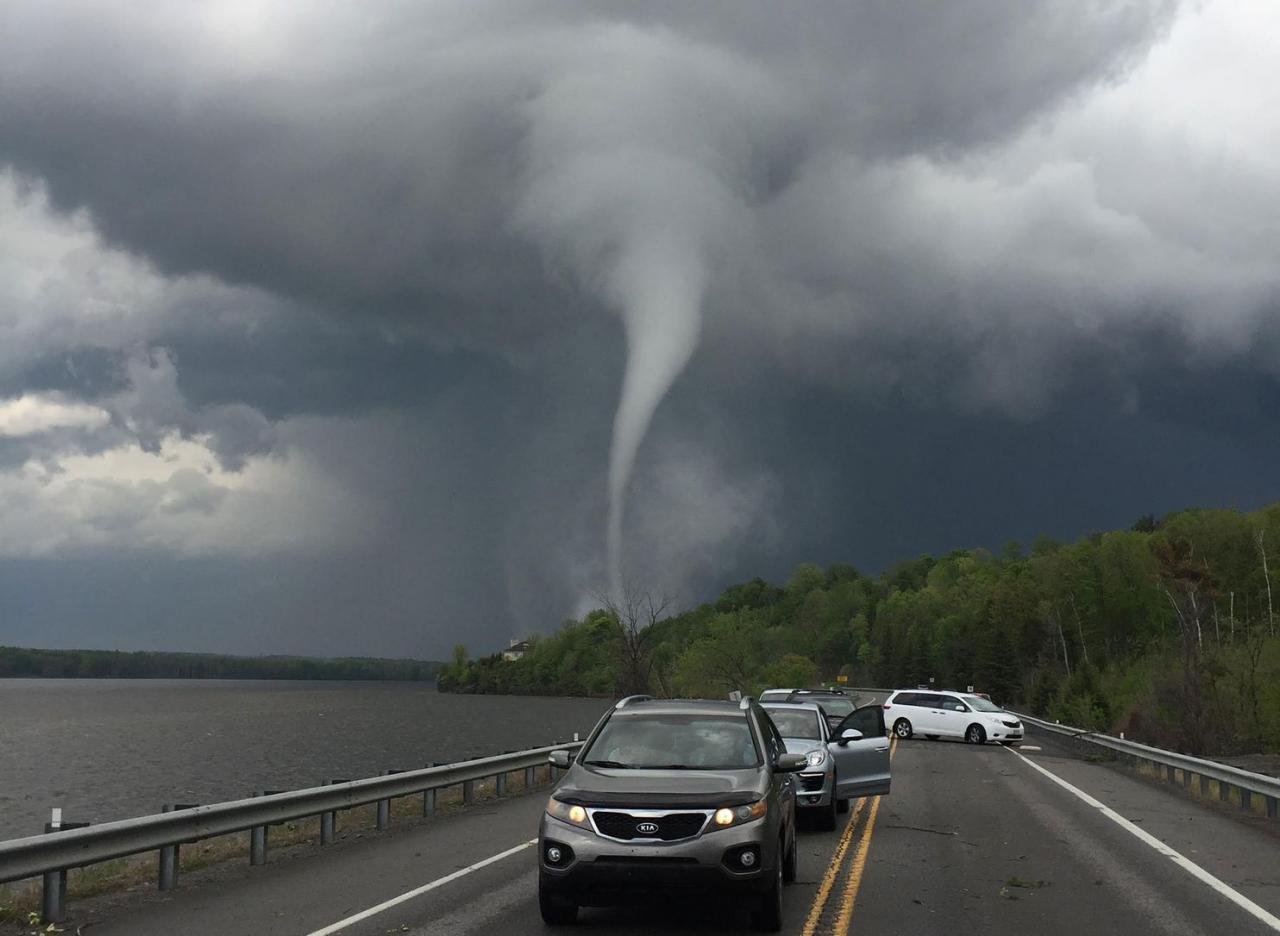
(632, 698)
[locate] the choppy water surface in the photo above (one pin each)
(107, 749)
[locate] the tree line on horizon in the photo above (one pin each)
(1167, 630)
(146, 664)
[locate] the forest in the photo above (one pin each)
(1166, 630)
(20, 661)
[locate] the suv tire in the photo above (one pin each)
(556, 911)
(789, 864)
(842, 806)
(902, 728)
(976, 734)
(769, 915)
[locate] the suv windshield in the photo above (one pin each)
(674, 742)
(979, 704)
(796, 723)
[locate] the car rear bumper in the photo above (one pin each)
(603, 871)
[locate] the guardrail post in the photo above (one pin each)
(500, 784)
(1246, 799)
(53, 900)
(167, 872)
(1272, 803)
(328, 821)
(1204, 785)
(1224, 791)
(1169, 772)
(170, 861)
(429, 797)
(384, 809)
(258, 844)
(53, 897)
(530, 777)
(468, 791)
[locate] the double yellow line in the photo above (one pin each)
(849, 893)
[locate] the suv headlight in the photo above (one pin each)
(817, 758)
(737, 815)
(574, 815)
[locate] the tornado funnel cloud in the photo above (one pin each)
(658, 286)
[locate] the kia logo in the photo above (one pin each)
(647, 828)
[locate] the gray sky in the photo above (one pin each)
(370, 328)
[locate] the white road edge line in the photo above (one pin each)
(1177, 858)
(418, 891)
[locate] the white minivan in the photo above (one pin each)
(939, 714)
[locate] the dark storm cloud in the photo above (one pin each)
(867, 272)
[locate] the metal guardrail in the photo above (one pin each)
(1249, 784)
(51, 854)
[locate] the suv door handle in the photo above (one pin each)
(883, 750)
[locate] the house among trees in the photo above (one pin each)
(515, 650)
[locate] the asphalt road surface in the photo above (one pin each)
(972, 840)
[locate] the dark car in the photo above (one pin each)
(678, 797)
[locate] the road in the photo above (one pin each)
(972, 840)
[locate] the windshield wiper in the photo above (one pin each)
(673, 767)
(617, 765)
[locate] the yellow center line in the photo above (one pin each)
(837, 860)
(833, 870)
(850, 895)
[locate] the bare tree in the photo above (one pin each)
(635, 610)
(1189, 588)
(1260, 539)
(1084, 648)
(1050, 615)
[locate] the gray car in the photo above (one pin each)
(678, 797)
(840, 765)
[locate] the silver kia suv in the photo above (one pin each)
(680, 797)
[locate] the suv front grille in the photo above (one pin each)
(669, 827)
(812, 782)
(1011, 724)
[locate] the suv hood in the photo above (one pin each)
(599, 786)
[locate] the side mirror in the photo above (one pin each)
(790, 763)
(560, 759)
(850, 734)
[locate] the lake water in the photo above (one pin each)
(109, 749)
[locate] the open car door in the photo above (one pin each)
(862, 763)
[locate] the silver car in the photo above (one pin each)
(840, 765)
(689, 798)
